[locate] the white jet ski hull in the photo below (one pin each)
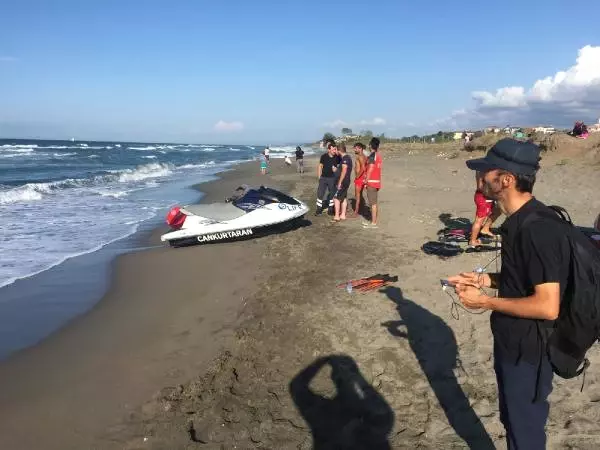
(197, 229)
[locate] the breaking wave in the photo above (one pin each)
(37, 191)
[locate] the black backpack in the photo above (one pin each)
(577, 327)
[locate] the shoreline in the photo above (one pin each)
(128, 345)
(36, 306)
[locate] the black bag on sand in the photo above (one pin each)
(577, 327)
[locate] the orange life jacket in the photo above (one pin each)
(374, 180)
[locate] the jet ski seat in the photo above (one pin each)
(216, 211)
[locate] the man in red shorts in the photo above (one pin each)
(486, 214)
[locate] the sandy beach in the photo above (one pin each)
(251, 345)
(167, 313)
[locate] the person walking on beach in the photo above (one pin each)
(263, 163)
(266, 153)
(326, 174)
(340, 199)
(300, 160)
(536, 257)
(360, 169)
(373, 181)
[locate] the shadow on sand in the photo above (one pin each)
(434, 345)
(450, 222)
(356, 417)
(364, 211)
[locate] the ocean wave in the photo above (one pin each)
(22, 146)
(36, 191)
(73, 254)
(233, 149)
(18, 150)
(113, 194)
(20, 194)
(59, 155)
(283, 149)
(251, 148)
(149, 157)
(150, 147)
(197, 166)
(153, 170)
(208, 149)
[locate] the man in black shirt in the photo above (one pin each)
(531, 284)
(300, 160)
(340, 201)
(326, 173)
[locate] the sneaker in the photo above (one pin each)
(370, 225)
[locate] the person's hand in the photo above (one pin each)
(472, 297)
(474, 279)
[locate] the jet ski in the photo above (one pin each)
(250, 211)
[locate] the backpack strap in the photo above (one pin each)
(562, 213)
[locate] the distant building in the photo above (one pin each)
(458, 135)
(545, 130)
(511, 130)
(492, 129)
(594, 128)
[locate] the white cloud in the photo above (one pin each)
(375, 121)
(557, 100)
(338, 123)
(7, 59)
(508, 97)
(223, 126)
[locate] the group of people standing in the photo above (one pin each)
(335, 172)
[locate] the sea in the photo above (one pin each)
(62, 200)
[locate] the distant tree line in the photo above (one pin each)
(440, 136)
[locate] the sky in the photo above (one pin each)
(280, 71)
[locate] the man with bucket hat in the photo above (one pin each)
(531, 284)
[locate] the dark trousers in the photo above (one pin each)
(326, 184)
(523, 419)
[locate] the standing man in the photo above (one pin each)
(360, 170)
(373, 181)
(326, 174)
(340, 199)
(536, 256)
(300, 160)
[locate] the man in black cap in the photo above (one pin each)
(531, 284)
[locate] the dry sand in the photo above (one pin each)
(309, 365)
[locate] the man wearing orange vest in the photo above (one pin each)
(373, 181)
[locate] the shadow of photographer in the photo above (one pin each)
(356, 417)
